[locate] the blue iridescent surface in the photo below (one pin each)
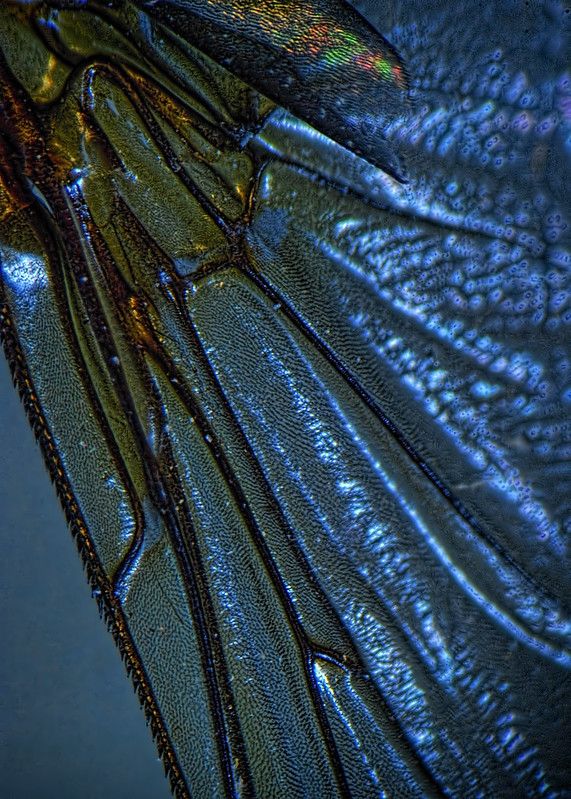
(325, 469)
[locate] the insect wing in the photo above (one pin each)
(289, 483)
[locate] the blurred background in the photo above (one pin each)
(70, 723)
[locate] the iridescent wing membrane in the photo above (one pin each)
(306, 417)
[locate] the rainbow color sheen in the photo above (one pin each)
(304, 28)
(335, 46)
(320, 60)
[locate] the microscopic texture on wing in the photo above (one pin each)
(308, 422)
(320, 59)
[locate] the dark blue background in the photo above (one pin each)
(70, 724)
